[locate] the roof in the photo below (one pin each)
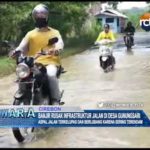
(111, 12)
(105, 14)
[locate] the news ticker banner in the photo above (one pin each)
(60, 116)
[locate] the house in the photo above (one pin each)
(115, 19)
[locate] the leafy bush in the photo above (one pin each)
(90, 31)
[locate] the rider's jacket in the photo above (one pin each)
(103, 35)
(130, 29)
(38, 40)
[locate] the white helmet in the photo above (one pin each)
(40, 10)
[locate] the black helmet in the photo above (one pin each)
(129, 23)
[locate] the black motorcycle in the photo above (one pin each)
(106, 59)
(33, 86)
(128, 40)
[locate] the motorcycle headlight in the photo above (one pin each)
(22, 70)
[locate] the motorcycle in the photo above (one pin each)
(33, 86)
(106, 59)
(128, 40)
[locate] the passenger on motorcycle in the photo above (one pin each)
(106, 37)
(130, 29)
(37, 39)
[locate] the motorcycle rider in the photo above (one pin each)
(131, 29)
(37, 39)
(106, 37)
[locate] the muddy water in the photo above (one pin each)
(85, 85)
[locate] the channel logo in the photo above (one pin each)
(145, 22)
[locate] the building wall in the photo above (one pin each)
(122, 24)
(113, 25)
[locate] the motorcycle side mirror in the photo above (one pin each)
(53, 41)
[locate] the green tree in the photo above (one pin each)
(16, 19)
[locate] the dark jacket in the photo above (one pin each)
(130, 29)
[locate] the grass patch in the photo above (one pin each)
(7, 66)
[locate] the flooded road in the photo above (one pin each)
(85, 85)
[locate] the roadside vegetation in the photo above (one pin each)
(78, 29)
(7, 66)
(134, 15)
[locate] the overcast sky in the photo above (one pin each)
(128, 5)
